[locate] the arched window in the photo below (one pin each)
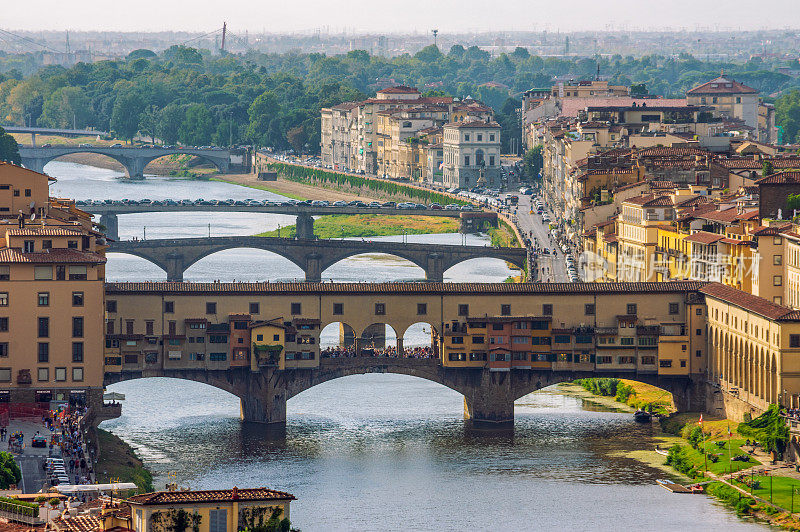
(479, 157)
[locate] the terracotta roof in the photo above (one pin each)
(473, 124)
(669, 151)
(400, 89)
(770, 231)
(725, 216)
(60, 255)
(722, 85)
(572, 106)
(401, 288)
(44, 231)
(81, 523)
(649, 200)
(781, 178)
(15, 167)
(701, 237)
(209, 496)
(748, 163)
(758, 305)
(656, 183)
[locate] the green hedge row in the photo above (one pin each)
(304, 174)
(7, 504)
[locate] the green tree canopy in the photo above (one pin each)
(9, 149)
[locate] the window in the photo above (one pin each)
(776, 260)
(43, 374)
(77, 327)
(5, 374)
(422, 309)
(296, 309)
(698, 312)
(27, 193)
(44, 299)
(111, 305)
(3, 299)
(72, 244)
(61, 273)
(683, 363)
(77, 374)
(604, 359)
(648, 341)
(794, 340)
(110, 327)
(698, 353)
(148, 327)
(547, 309)
(776, 240)
(5, 273)
(466, 160)
(380, 309)
(491, 137)
(77, 351)
(43, 352)
(491, 160)
(632, 309)
(777, 280)
(477, 339)
(169, 307)
(466, 137)
(665, 363)
(588, 309)
(4, 324)
(47, 244)
(44, 327)
(43, 273)
(497, 326)
(211, 307)
(338, 309)
(674, 308)
(4, 350)
(77, 299)
(240, 325)
(77, 273)
(457, 339)
(255, 308)
(505, 310)
(480, 137)
(626, 340)
(463, 310)
(218, 357)
(698, 332)
(520, 340)
(27, 246)
(218, 339)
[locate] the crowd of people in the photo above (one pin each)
(390, 351)
(793, 413)
(70, 441)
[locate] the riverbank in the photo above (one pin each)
(118, 461)
(368, 225)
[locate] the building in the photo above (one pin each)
(471, 154)
(728, 98)
(52, 273)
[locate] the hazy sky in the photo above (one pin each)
(399, 16)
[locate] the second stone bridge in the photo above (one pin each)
(175, 255)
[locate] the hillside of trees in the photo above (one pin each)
(194, 97)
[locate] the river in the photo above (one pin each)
(379, 452)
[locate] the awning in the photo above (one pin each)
(94, 488)
(113, 396)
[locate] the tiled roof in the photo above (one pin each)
(748, 163)
(649, 200)
(701, 237)
(400, 89)
(722, 85)
(655, 183)
(209, 496)
(758, 305)
(60, 255)
(668, 151)
(400, 288)
(572, 106)
(81, 523)
(473, 124)
(725, 216)
(770, 231)
(44, 231)
(781, 178)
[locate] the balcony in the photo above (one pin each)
(24, 377)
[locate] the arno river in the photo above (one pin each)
(379, 452)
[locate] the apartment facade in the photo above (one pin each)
(471, 154)
(728, 98)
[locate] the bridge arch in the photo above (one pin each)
(287, 266)
(121, 161)
(333, 259)
(217, 164)
(495, 263)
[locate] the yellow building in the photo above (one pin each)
(268, 340)
(52, 272)
(209, 511)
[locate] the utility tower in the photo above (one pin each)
(435, 38)
(224, 31)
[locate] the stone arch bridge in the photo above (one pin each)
(488, 396)
(174, 256)
(133, 159)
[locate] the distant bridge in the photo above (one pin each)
(55, 132)
(133, 159)
(175, 255)
(470, 220)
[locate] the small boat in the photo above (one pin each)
(674, 487)
(642, 416)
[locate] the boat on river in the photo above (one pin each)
(642, 416)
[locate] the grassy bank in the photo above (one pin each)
(364, 225)
(634, 394)
(503, 236)
(259, 186)
(118, 461)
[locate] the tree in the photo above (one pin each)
(297, 138)
(9, 151)
(9, 470)
(125, 115)
(767, 169)
(67, 107)
(533, 162)
(169, 122)
(262, 113)
(638, 90)
(148, 122)
(429, 54)
(197, 126)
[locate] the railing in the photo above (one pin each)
(21, 517)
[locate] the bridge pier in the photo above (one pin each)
(175, 267)
(434, 268)
(304, 227)
(34, 163)
(490, 402)
(313, 269)
(135, 166)
(263, 402)
(111, 224)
